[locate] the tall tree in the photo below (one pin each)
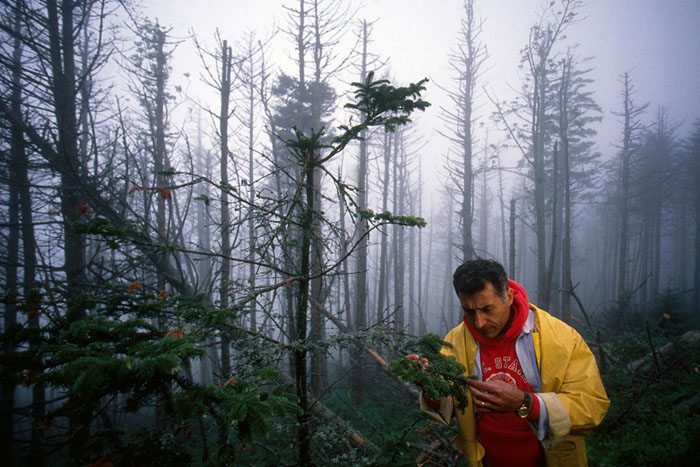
(20, 225)
(694, 166)
(466, 61)
(533, 127)
(399, 244)
(250, 74)
(363, 62)
(631, 127)
(225, 83)
(654, 171)
(391, 110)
(577, 111)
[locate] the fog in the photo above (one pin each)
(202, 200)
(656, 42)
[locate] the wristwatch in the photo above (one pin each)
(524, 410)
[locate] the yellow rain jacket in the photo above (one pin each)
(572, 391)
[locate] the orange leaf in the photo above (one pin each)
(101, 462)
(133, 287)
(165, 193)
(83, 209)
(30, 377)
(175, 334)
(162, 294)
(137, 188)
(45, 423)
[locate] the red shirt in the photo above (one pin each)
(508, 439)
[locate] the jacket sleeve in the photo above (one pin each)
(576, 390)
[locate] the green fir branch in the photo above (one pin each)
(444, 376)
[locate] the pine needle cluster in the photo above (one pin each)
(443, 376)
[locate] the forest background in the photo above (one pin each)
(220, 220)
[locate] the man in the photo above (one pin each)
(539, 393)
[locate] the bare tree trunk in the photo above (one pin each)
(448, 293)
(361, 228)
(511, 256)
(682, 245)
(398, 243)
(318, 357)
(426, 285)
(540, 98)
(61, 39)
(656, 248)
(523, 246)
(251, 184)
(347, 305)
(18, 169)
(383, 279)
(695, 200)
(419, 286)
(502, 202)
(623, 218)
(360, 319)
(204, 267)
(566, 241)
(225, 273)
(304, 433)
(555, 234)
(696, 274)
(412, 276)
(484, 204)
(467, 62)
(10, 299)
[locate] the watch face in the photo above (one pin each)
(524, 410)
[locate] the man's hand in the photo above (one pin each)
(495, 396)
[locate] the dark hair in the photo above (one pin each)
(472, 276)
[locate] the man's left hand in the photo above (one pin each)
(495, 396)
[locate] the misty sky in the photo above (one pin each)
(657, 41)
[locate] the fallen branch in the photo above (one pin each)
(321, 411)
(642, 365)
(410, 389)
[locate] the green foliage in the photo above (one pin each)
(250, 410)
(654, 417)
(148, 448)
(444, 376)
(106, 355)
(387, 216)
(303, 144)
(167, 172)
(384, 416)
(379, 103)
(384, 104)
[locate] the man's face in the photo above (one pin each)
(487, 311)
